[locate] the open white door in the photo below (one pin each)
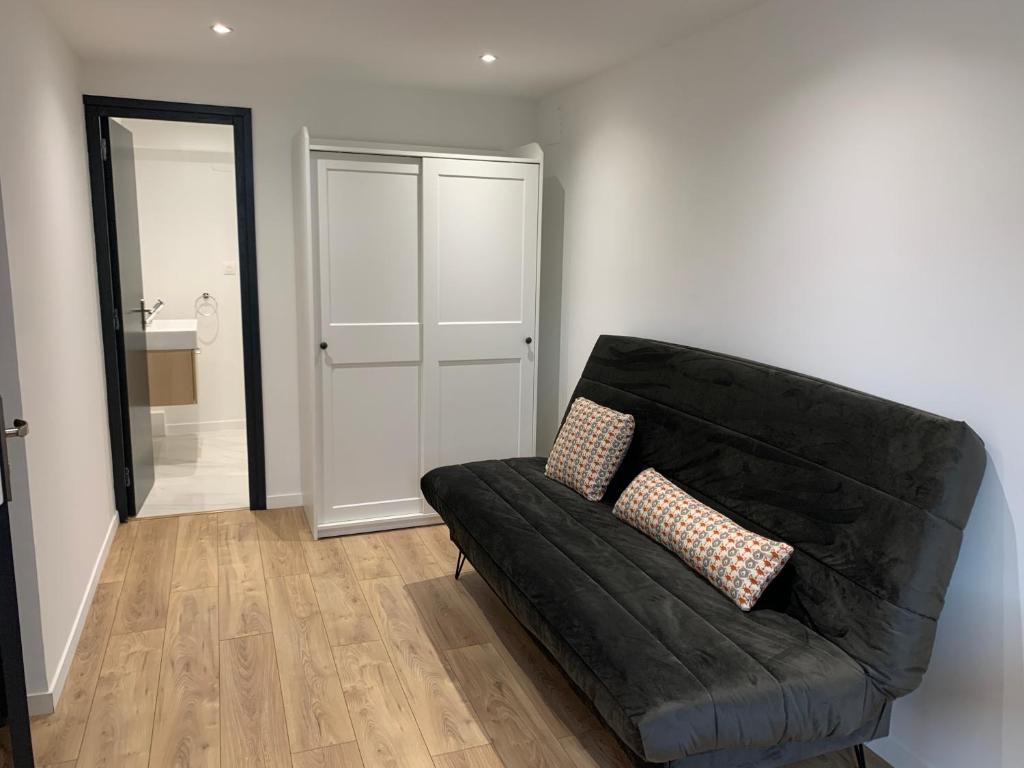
(479, 309)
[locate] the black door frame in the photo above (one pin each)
(97, 109)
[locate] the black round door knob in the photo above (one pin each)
(529, 339)
(323, 345)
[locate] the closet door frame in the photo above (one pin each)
(306, 152)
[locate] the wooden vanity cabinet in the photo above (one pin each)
(172, 377)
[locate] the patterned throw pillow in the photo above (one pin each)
(740, 563)
(589, 448)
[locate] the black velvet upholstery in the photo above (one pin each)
(873, 496)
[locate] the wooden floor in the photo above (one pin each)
(233, 639)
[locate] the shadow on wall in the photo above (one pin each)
(980, 623)
(549, 414)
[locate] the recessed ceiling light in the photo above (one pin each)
(488, 58)
(221, 29)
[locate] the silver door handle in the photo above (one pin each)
(20, 429)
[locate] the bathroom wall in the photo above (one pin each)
(184, 175)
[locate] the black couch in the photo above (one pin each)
(873, 495)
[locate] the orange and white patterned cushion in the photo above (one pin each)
(589, 448)
(738, 562)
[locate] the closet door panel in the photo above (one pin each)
(369, 259)
(369, 253)
(480, 249)
(475, 417)
(479, 309)
(374, 248)
(375, 437)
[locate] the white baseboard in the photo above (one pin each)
(368, 525)
(282, 500)
(894, 753)
(45, 702)
(195, 427)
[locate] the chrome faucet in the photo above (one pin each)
(150, 313)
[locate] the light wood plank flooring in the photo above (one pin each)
(233, 639)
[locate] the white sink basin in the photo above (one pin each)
(172, 334)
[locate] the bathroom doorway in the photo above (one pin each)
(173, 213)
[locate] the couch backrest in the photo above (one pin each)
(872, 494)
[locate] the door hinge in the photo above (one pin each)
(127, 478)
(104, 151)
(117, 320)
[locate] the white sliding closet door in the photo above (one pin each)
(480, 222)
(368, 217)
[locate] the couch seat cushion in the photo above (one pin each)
(666, 658)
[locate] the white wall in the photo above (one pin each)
(837, 188)
(283, 100)
(185, 181)
(67, 510)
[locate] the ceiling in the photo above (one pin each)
(542, 45)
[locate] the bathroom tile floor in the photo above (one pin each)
(198, 473)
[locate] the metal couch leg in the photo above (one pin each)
(858, 752)
(459, 562)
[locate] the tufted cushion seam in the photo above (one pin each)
(608, 545)
(759, 527)
(773, 446)
(870, 672)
